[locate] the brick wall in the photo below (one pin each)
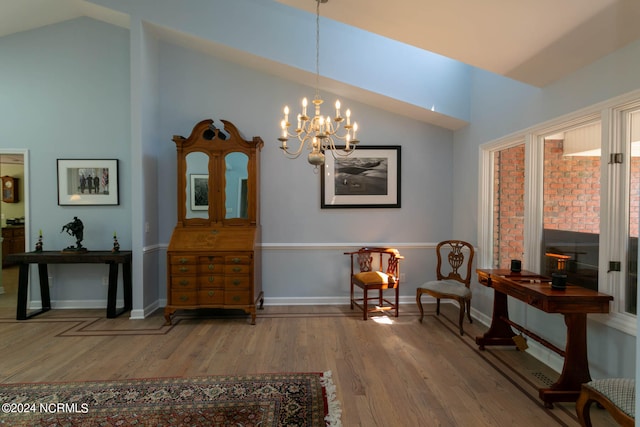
(571, 191)
(508, 206)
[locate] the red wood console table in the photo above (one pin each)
(574, 303)
(91, 257)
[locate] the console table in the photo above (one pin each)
(91, 257)
(573, 303)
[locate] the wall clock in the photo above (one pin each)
(9, 189)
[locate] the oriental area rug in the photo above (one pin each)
(265, 400)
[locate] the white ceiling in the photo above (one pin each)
(534, 41)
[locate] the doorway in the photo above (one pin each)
(14, 218)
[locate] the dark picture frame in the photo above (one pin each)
(89, 182)
(199, 192)
(368, 178)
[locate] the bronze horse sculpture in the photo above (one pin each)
(75, 228)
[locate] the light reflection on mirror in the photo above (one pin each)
(197, 190)
(236, 185)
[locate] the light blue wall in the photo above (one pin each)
(500, 107)
(195, 86)
(65, 94)
(269, 29)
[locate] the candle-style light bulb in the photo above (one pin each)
(286, 113)
(337, 108)
(355, 129)
(304, 106)
(348, 116)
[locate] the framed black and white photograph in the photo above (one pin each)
(87, 182)
(367, 178)
(199, 192)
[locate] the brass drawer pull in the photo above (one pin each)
(236, 282)
(237, 269)
(236, 298)
(184, 282)
(211, 278)
(184, 269)
(184, 298)
(210, 266)
(211, 293)
(235, 260)
(183, 261)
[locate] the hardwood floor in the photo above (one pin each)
(388, 372)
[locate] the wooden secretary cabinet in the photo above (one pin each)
(213, 259)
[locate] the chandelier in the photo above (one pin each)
(319, 133)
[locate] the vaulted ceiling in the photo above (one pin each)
(536, 42)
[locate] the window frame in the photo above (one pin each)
(614, 198)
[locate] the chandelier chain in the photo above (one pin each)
(315, 131)
(317, 49)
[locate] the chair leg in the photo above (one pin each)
(469, 310)
(461, 317)
(351, 295)
(438, 306)
(365, 304)
(583, 404)
(419, 303)
(397, 290)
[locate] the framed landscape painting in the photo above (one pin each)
(368, 178)
(87, 182)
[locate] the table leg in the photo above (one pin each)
(500, 332)
(127, 282)
(112, 291)
(45, 297)
(23, 290)
(575, 370)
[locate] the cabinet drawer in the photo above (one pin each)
(183, 259)
(183, 283)
(184, 269)
(210, 296)
(236, 282)
(237, 298)
(210, 281)
(184, 298)
(210, 264)
(237, 269)
(237, 259)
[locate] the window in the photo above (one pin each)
(508, 205)
(566, 196)
(631, 137)
(571, 204)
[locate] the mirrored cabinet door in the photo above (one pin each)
(236, 185)
(197, 185)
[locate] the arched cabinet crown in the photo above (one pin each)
(213, 259)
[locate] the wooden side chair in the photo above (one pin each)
(375, 269)
(454, 257)
(616, 395)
